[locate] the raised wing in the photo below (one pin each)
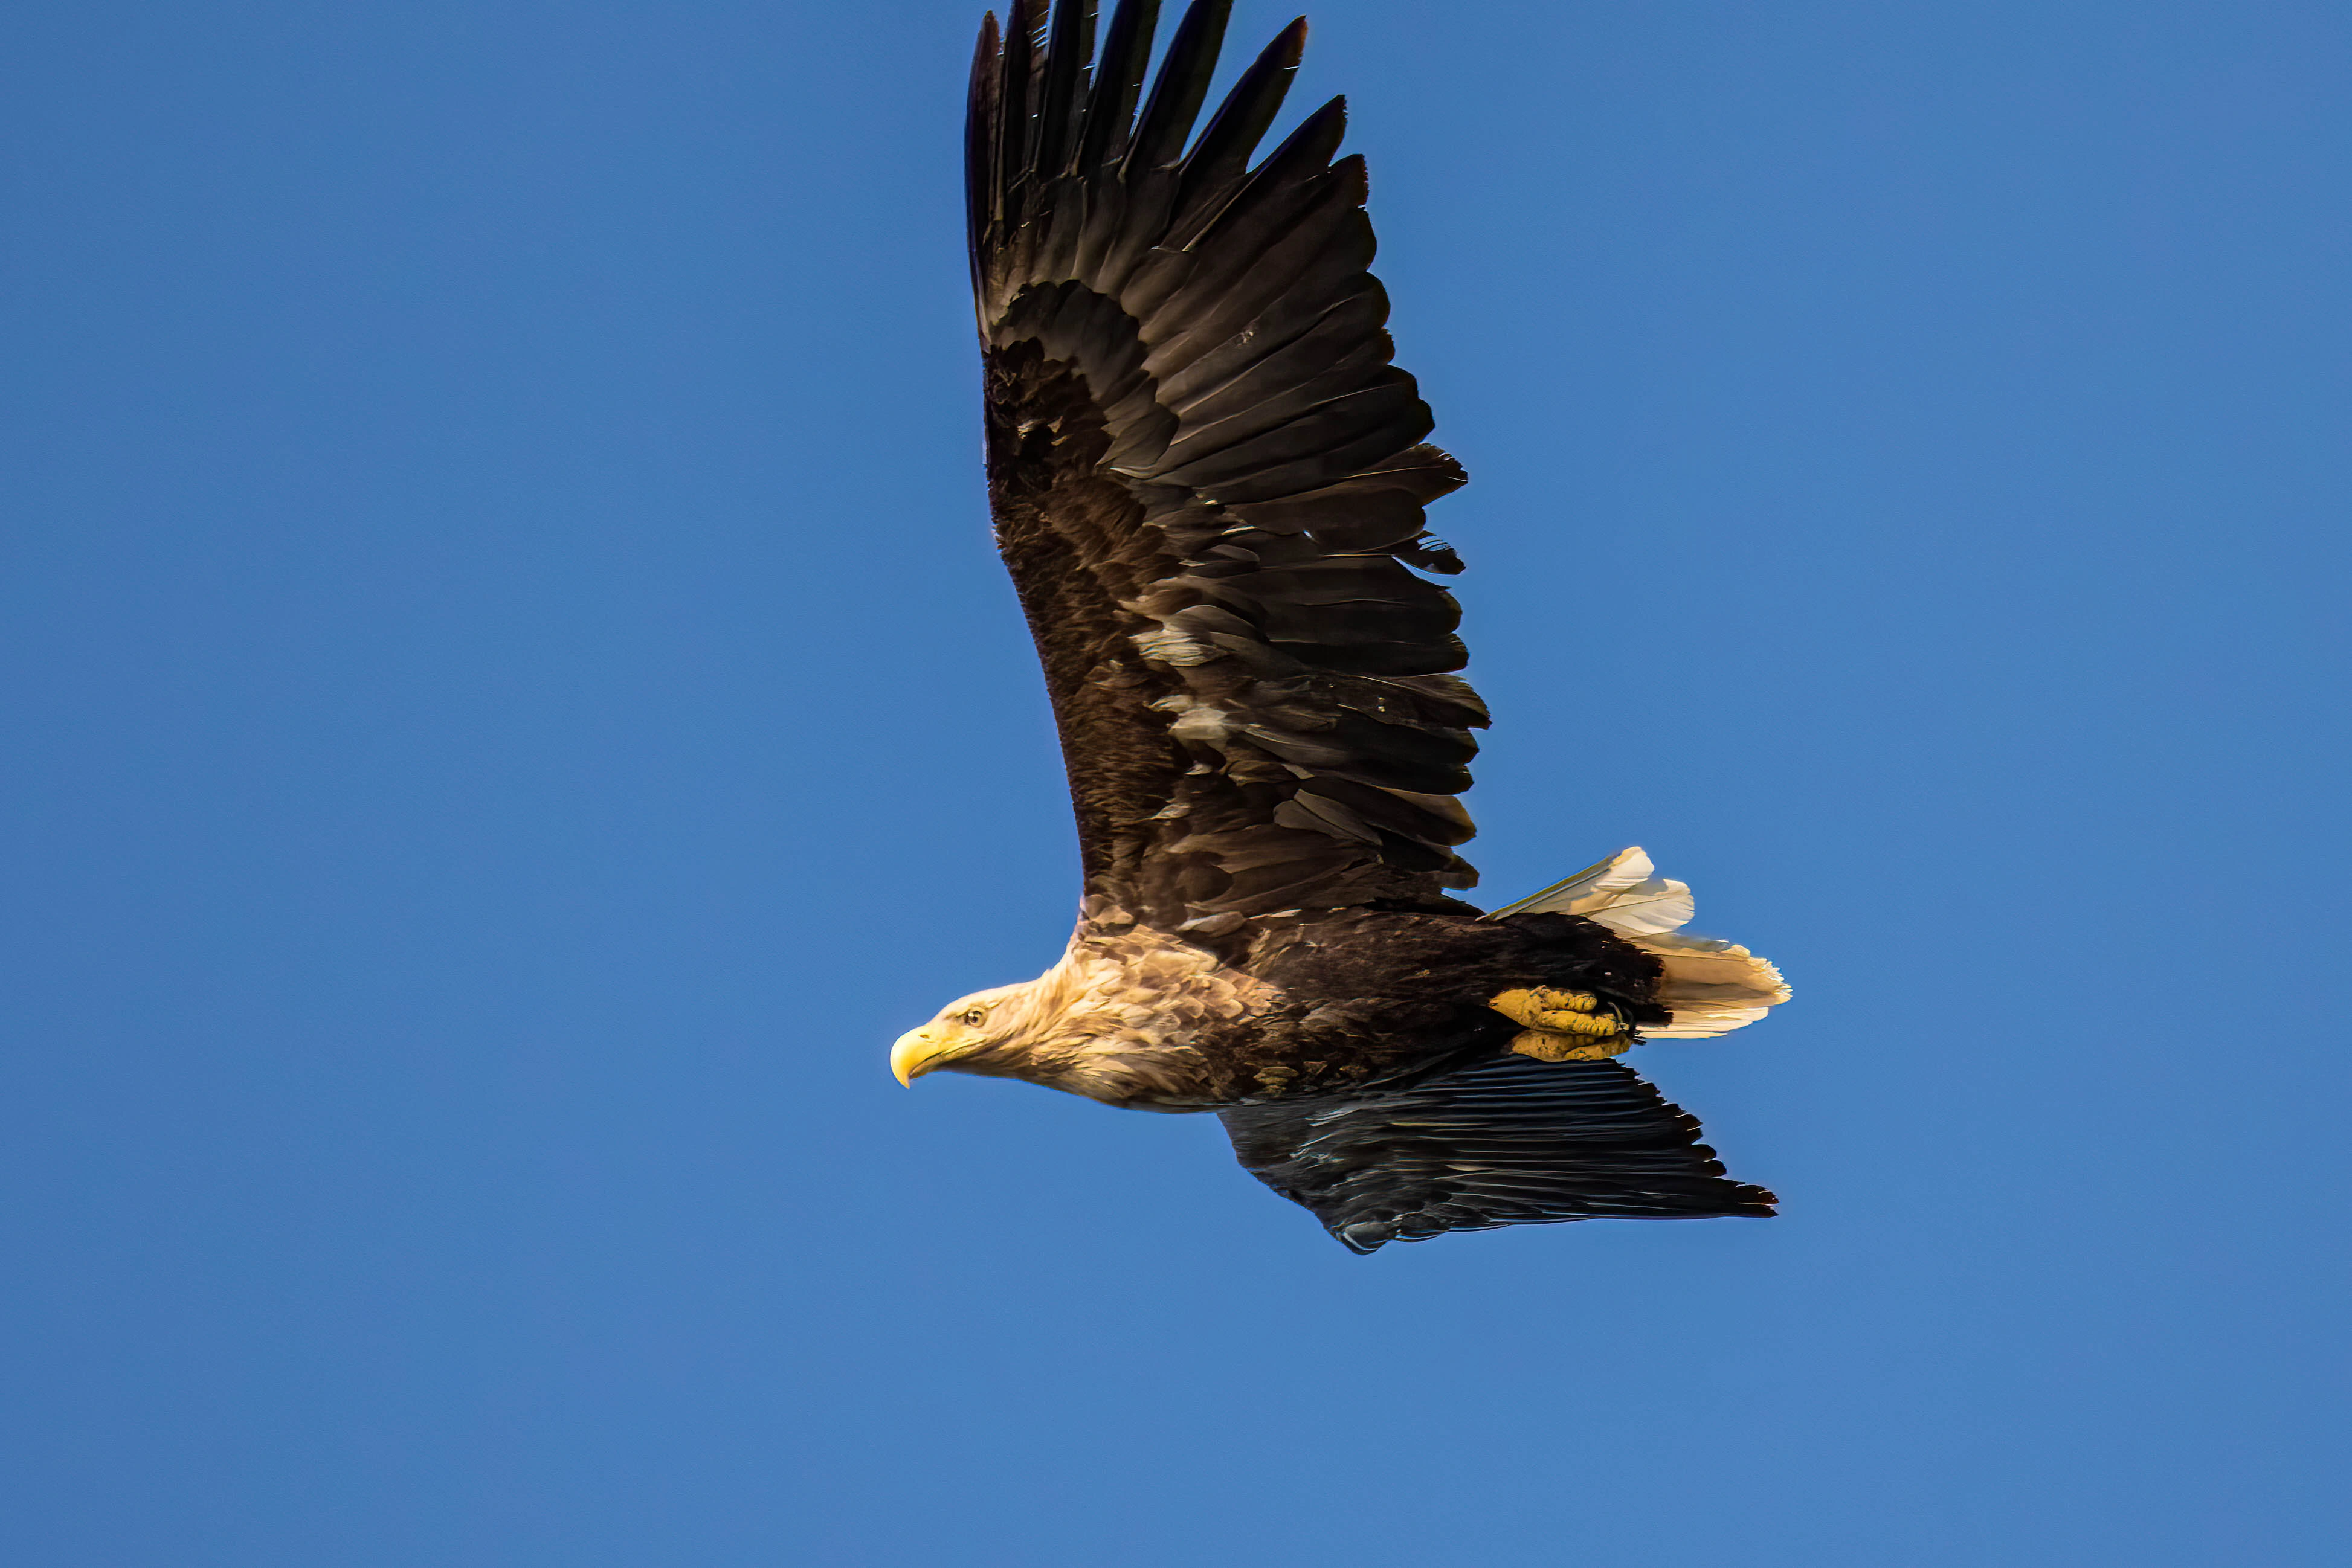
(1505, 1142)
(1208, 480)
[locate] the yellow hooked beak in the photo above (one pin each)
(917, 1052)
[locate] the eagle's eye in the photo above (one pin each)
(974, 1017)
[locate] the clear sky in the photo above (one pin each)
(511, 707)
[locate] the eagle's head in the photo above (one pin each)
(1111, 1021)
(993, 1032)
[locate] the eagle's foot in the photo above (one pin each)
(1558, 1012)
(1545, 1046)
(1564, 1026)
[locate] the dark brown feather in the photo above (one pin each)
(1118, 79)
(1184, 84)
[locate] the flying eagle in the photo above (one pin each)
(1208, 483)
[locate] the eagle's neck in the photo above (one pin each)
(1117, 1019)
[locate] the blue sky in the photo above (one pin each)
(513, 707)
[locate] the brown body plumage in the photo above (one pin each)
(1353, 999)
(1208, 483)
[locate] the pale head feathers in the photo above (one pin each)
(1112, 1020)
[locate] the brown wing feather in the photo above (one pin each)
(1208, 478)
(1507, 1141)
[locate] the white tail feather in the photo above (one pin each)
(1710, 987)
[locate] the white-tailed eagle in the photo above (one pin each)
(1208, 483)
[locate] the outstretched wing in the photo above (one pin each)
(1505, 1142)
(1208, 480)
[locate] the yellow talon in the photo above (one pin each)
(1546, 1046)
(1561, 1012)
(1543, 999)
(1564, 1026)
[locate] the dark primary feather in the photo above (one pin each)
(1208, 479)
(1184, 84)
(1507, 1141)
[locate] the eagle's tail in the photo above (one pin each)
(1711, 987)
